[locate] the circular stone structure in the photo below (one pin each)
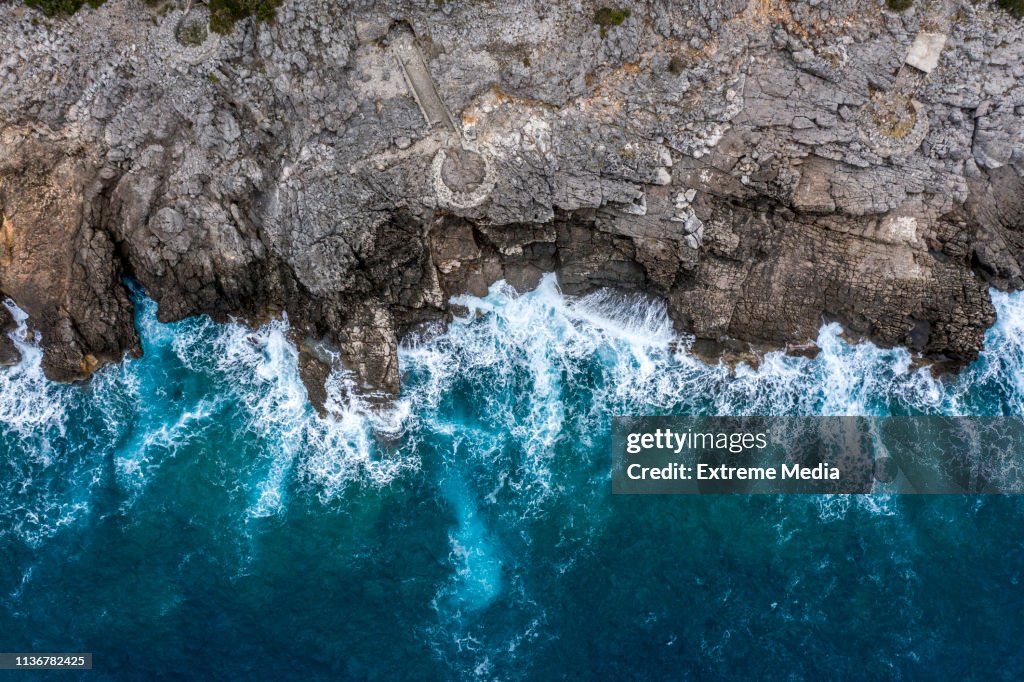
(463, 176)
(892, 124)
(186, 39)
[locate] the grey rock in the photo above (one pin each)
(692, 224)
(290, 168)
(8, 352)
(996, 137)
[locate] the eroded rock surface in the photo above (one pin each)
(763, 166)
(8, 352)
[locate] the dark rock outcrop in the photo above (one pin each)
(8, 353)
(762, 166)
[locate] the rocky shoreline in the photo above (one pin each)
(763, 166)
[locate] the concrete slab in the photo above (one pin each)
(925, 52)
(420, 82)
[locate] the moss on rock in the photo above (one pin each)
(225, 13)
(61, 8)
(610, 16)
(1014, 7)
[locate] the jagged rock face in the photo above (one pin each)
(763, 167)
(8, 352)
(57, 262)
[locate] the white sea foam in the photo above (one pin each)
(531, 352)
(30, 402)
(37, 501)
(624, 351)
(259, 369)
(1002, 363)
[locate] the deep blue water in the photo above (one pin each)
(188, 516)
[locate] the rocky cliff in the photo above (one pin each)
(762, 165)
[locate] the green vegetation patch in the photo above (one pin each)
(899, 5)
(1014, 7)
(224, 13)
(610, 16)
(61, 8)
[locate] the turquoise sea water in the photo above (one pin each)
(188, 516)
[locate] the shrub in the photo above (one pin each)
(899, 5)
(610, 16)
(60, 8)
(1014, 7)
(224, 13)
